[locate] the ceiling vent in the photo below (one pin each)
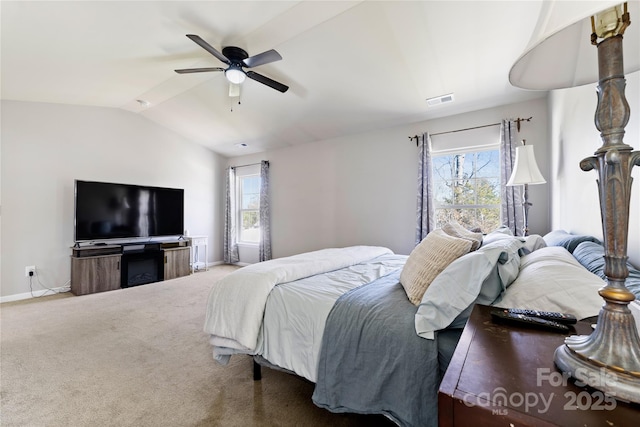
(442, 99)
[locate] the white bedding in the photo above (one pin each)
(277, 309)
(236, 303)
(550, 279)
(296, 312)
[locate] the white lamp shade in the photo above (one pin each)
(526, 170)
(560, 53)
(235, 75)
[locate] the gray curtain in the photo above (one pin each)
(511, 210)
(425, 211)
(265, 215)
(230, 240)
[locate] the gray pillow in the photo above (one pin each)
(591, 256)
(453, 228)
(567, 240)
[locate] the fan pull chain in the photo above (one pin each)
(234, 92)
(239, 103)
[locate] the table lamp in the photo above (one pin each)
(524, 173)
(576, 43)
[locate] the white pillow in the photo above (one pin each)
(428, 259)
(551, 279)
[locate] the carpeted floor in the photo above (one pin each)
(139, 357)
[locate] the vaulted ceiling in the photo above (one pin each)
(351, 66)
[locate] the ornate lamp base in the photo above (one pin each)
(609, 358)
(597, 359)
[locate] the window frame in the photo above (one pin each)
(468, 207)
(240, 211)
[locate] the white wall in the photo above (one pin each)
(45, 147)
(575, 137)
(357, 189)
(361, 189)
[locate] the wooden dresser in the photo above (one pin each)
(503, 375)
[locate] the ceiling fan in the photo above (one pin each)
(236, 59)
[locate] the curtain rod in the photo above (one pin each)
(518, 121)
(250, 164)
(465, 129)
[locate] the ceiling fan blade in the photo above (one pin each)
(198, 70)
(267, 81)
(206, 46)
(262, 58)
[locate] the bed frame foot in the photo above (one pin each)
(257, 371)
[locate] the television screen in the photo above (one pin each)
(115, 211)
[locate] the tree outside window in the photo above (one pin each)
(467, 189)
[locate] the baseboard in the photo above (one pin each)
(34, 294)
(209, 265)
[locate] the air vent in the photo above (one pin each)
(442, 99)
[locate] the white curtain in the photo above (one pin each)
(511, 211)
(265, 213)
(230, 241)
(425, 211)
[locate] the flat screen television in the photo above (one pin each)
(106, 210)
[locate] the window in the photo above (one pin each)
(249, 205)
(467, 188)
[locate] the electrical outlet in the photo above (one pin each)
(30, 270)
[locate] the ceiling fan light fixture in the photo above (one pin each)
(234, 74)
(237, 58)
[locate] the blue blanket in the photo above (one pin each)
(373, 362)
(591, 256)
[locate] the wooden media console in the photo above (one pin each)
(99, 268)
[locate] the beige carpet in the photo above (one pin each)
(139, 357)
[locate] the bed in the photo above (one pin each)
(375, 330)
